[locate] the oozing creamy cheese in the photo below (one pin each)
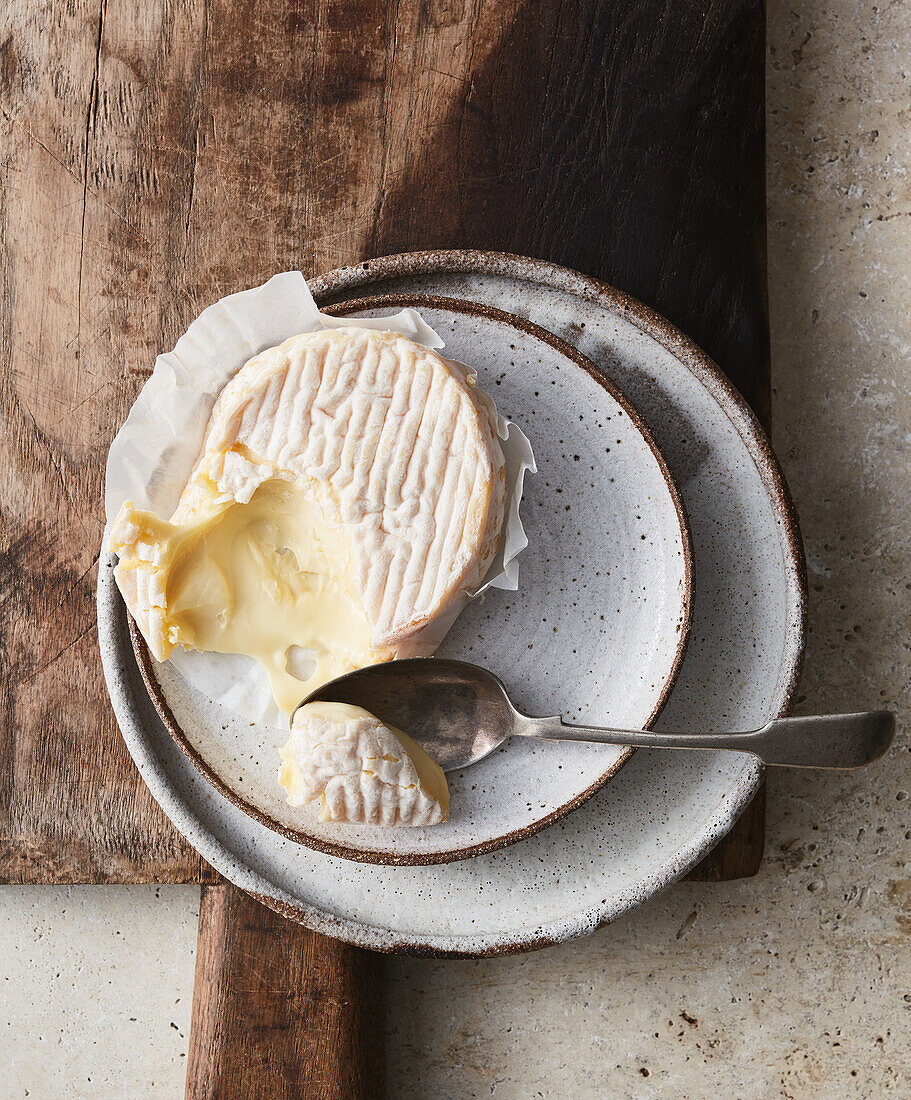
(270, 579)
(349, 492)
(361, 770)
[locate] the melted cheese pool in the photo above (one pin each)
(271, 579)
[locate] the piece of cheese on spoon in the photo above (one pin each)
(360, 770)
(350, 490)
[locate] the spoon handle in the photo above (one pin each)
(829, 741)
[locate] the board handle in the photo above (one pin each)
(280, 1011)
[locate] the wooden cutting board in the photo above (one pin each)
(157, 156)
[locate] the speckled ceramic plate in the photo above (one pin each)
(663, 810)
(596, 631)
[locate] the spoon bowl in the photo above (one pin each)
(459, 712)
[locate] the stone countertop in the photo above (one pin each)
(794, 984)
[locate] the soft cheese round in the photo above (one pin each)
(402, 440)
(389, 440)
(360, 770)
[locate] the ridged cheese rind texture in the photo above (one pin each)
(406, 451)
(359, 771)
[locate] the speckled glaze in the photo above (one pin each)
(597, 630)
(655, 819)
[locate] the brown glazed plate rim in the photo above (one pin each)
(361, 855)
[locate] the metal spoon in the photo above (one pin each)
(460, 713)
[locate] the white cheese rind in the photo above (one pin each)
(360, 770)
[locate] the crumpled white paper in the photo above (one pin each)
(153, 454)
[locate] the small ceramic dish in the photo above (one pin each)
(596, 632)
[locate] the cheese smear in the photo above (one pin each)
(360, 770)
(271, 579)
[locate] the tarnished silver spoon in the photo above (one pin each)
(460, 713)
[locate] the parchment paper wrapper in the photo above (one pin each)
(153, 454)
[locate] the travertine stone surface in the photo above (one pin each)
(96, 986)
(795, 984)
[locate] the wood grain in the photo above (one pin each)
(279, 1011)
(155, 156)
(89, 212)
